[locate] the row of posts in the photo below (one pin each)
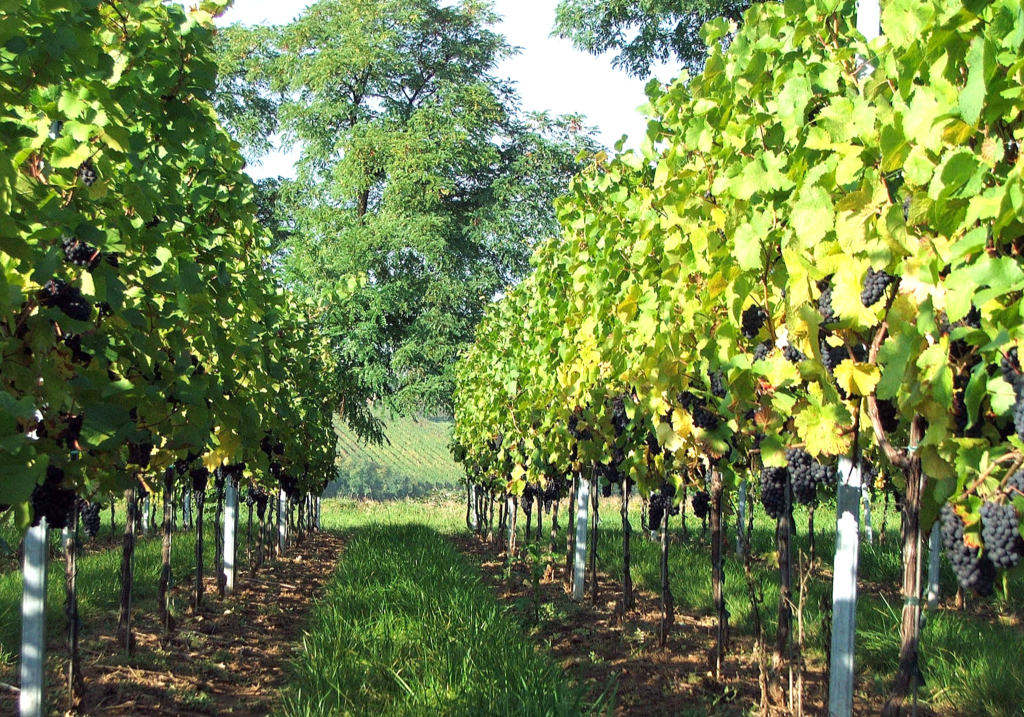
(33, 600)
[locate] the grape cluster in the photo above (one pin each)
(260, 498)
(660, 501)
(1016, 381)
(753, 319)
(762, 350)
(717, 383)
(51, 500)
(702, 417)
(90, 515)
(79, 253)
(874, 286)
(806, 475)
(1001, 535)
(87, 173)
(552, 491)
(973, 568)
(831, 356)
(66, 298)
(526, 499)
(199, 478)
(773, 490)
(825, 301)
(619, 418)
(1009, 365)
(1016, 483)
(793, 354)
(868, 473)
(701, 504)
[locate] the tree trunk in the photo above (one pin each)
(667, 604)
(163, 587)
(594, 502)
(75, 686)
(718, 572)
(362, 204)
(627, 577)
(553, 545)
(124, 618)
(908, 675)
(197, 598)
(113, 530)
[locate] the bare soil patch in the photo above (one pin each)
(596, 641)
(228, 658)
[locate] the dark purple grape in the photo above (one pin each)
(754, 317)
(875, 284)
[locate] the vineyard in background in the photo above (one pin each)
(413, 461)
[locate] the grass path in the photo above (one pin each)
(407, 627)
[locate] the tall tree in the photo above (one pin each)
(643, 33)
(417, 171)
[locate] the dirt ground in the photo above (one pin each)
(229, 658)
(592, 641)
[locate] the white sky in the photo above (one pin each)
(549, 74)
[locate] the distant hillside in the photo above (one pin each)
(415, 460)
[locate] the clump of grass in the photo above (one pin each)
(406, 627)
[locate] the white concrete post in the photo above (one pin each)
(145, 514)
(282, 520)
(934, 545)
(474, 520)
(230, 523)
(33, 623)
(869, 533)
(318, 525)
(510, 512)
(580, 560)
(844, 590)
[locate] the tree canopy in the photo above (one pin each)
(643, 33)
(417, 171)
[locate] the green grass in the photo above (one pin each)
(406, 627)
(414, 461)
(971, 662)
